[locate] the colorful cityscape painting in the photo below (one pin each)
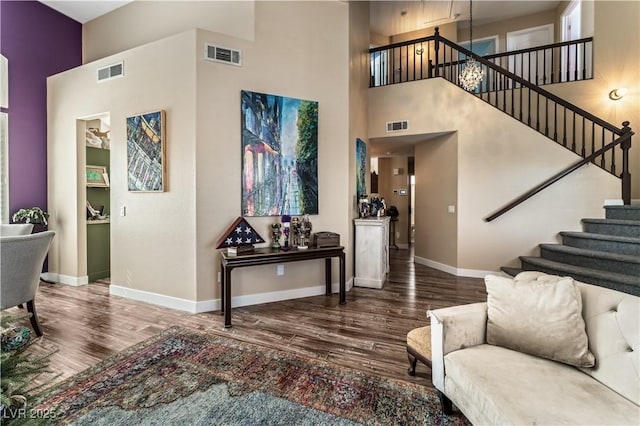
(279, 155)
(145, 152)
(361, 167)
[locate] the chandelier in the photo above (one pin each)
(472, 73)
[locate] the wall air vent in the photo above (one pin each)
(110, 72)
(223, 54)
(397, 126)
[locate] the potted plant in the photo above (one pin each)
(34, 215)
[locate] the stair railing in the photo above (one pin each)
(552, 63)
(588, 136)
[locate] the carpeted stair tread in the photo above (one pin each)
(591, 253)
(602, 242)
(593, 259)
(625, 228)
(630, 212)
(626, 283)
(511, 271)
(623, 222)
(604, 237)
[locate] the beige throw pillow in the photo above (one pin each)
(540, 315)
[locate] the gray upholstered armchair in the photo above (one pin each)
(10, 230)
(22, 259)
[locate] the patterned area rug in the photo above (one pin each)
(188, 377)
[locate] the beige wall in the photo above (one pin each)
(292, 56)
(152, 247)
(448, 31)
(166, 243)
(436, 171)
(387, 183)
(501, 28)
(498, 159)
(358, 98)
(616, 64)
(141, 22)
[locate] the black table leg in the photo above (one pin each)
(227, 297)
(343, 290)
(222, 273)
(327, 276)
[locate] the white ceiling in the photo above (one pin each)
(397, 17)
(84, 10)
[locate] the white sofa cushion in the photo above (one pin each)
(540, 315)
(495, 385)
(613, 326)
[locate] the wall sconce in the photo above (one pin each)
(419, 50)
(617, 94)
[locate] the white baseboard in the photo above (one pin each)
(616, 202)
(459, 272)
(194, 307)
(65, 279)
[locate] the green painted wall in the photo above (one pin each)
(98, 234)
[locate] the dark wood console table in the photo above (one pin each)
(266, 256)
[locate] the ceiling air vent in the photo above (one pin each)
(223, 54)
(397, 126)
(110, 72)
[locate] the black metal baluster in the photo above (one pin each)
(520, 105)
(602, 145)
(407, 62)
(593, 139)
(544, 66)
(575, 71)
(584, 142)
(537, 111)
(555, 121)
(564, 127)
(613, 155)
(568, 67)
(528, 106)
(546, 117)
(553, 70)
(584, 61)
(573, 136)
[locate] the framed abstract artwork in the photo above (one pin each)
(361, 168)
(279, 155)
(146, 146)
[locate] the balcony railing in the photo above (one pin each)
(553, 63)
(521, 97)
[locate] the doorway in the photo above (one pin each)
(522, 65)
(95, 134)
(571, 57)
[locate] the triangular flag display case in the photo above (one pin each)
(239, 237)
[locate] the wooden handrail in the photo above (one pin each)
(533, 87)
(440, 53)
(524, 197)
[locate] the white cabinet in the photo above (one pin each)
(372, 252)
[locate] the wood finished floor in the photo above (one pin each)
(86, 325)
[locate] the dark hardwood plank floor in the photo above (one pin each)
(86, 325)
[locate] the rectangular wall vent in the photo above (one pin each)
(110, 72)
(397, 126)
(223, 54)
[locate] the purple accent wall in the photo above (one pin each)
(38, 42)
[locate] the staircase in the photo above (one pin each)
(606, 253)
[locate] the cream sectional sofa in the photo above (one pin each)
(493, 384)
